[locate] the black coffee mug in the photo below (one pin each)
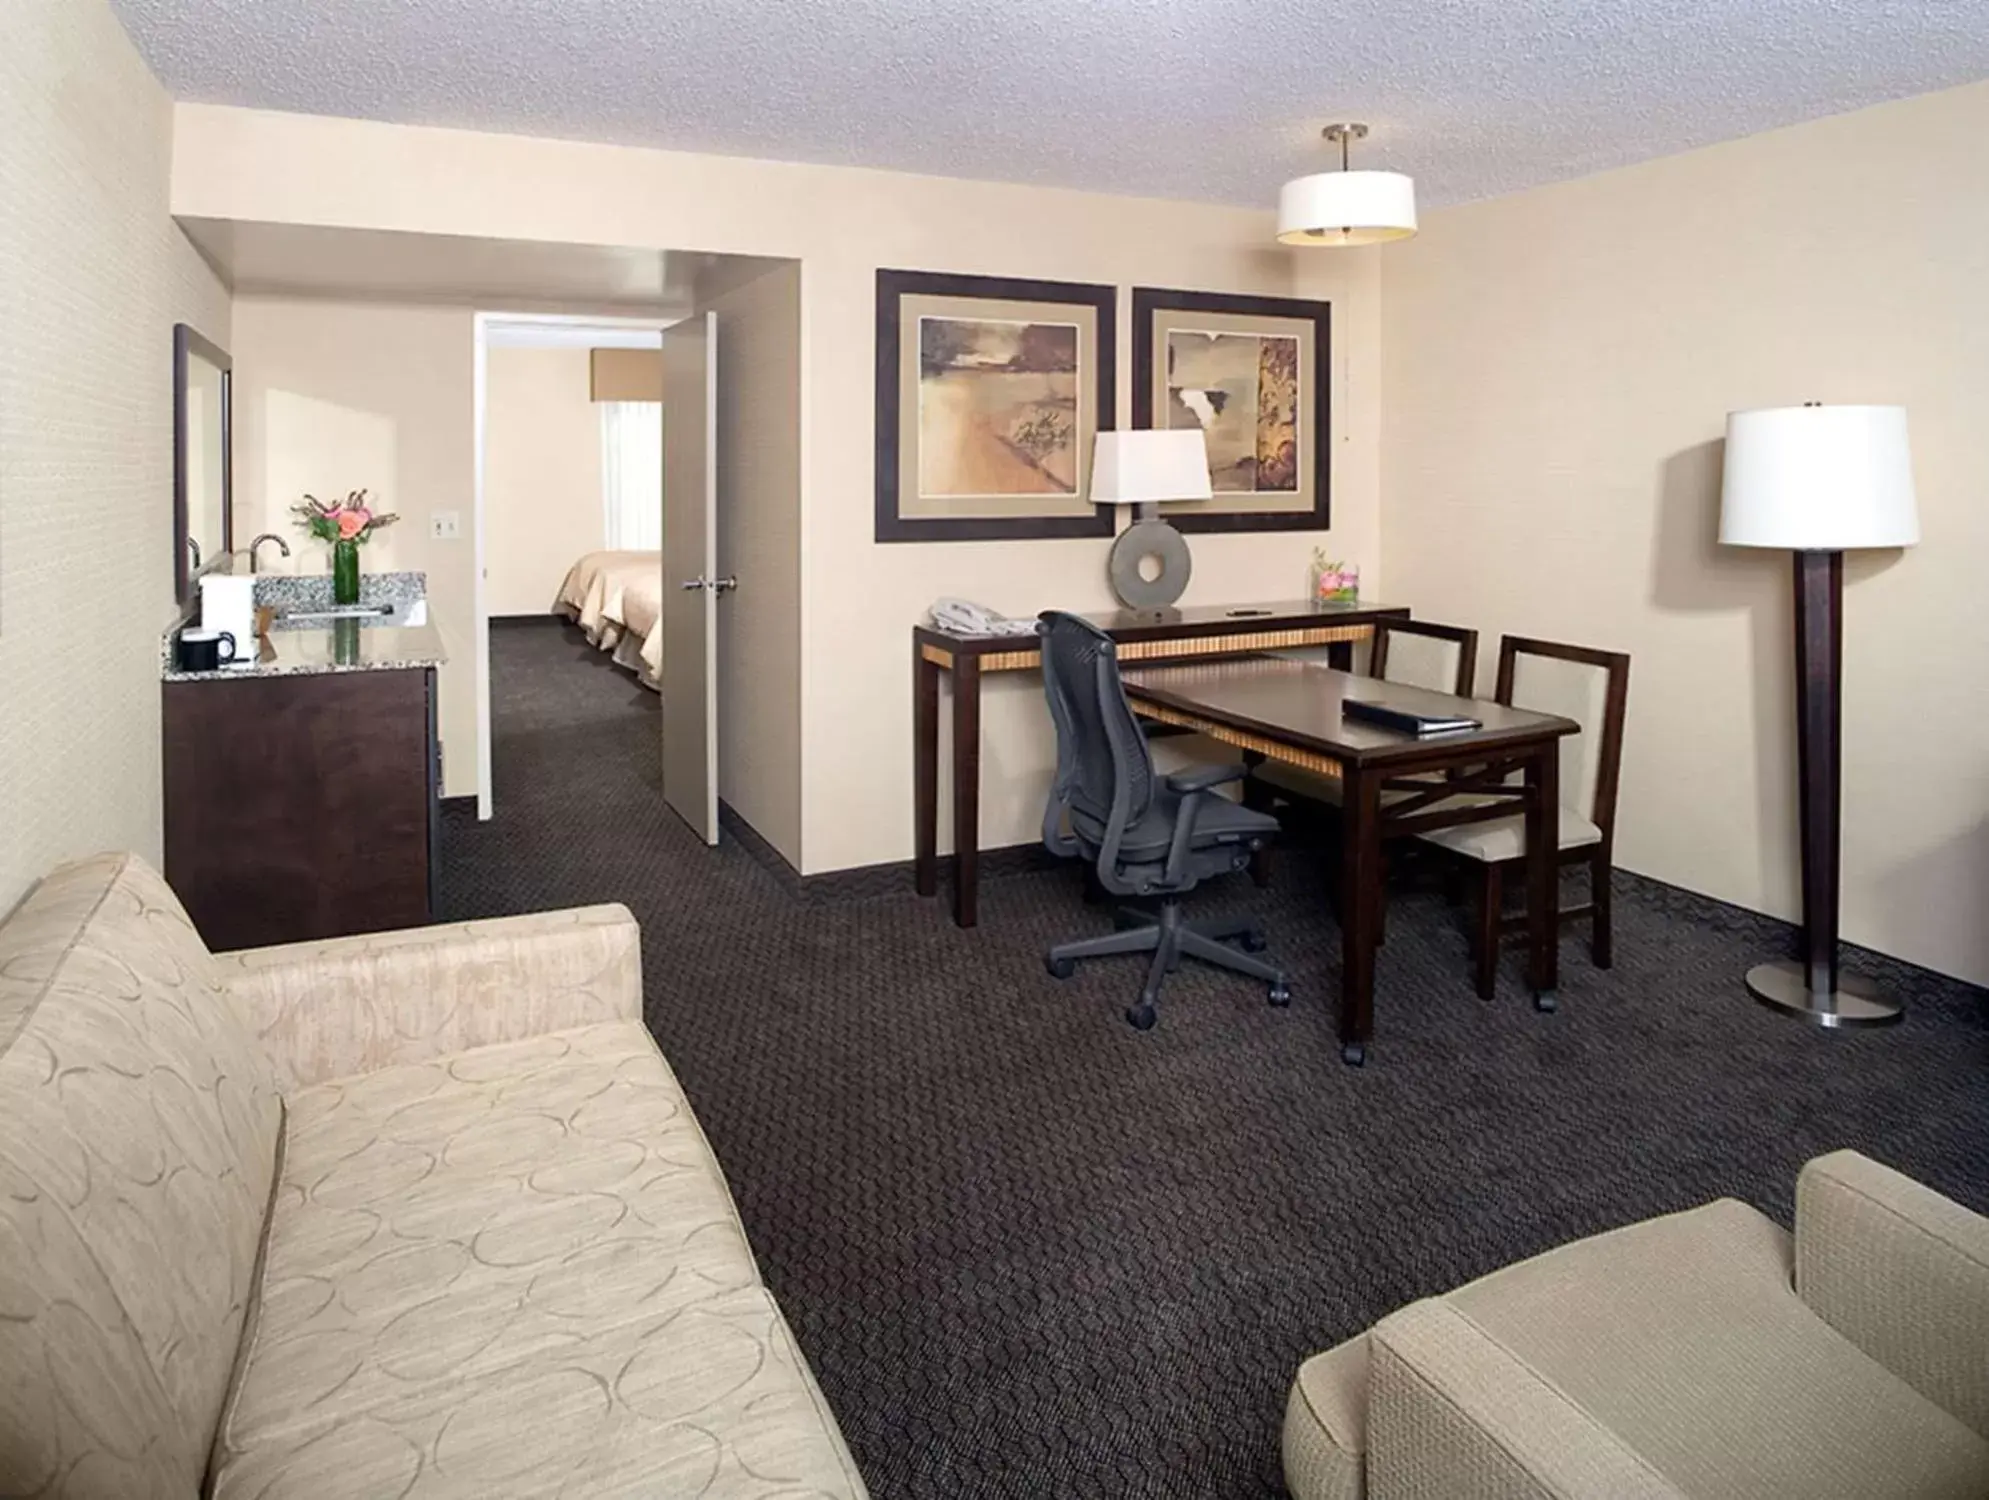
(205, 650)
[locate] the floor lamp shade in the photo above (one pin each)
(1142, 468)
(1818, 480)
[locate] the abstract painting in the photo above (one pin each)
(1252, 373)
(997, 407)
(990, 392)
(1241, 389)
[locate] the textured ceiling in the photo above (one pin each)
(1218, 100)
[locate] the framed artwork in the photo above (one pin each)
(1253, 373)
(989, 392)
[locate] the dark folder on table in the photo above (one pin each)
(1404, 722)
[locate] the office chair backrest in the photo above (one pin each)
(1103, 766)
(1589, 686)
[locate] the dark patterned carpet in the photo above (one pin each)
(1031, 1252)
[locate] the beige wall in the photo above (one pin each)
(338, 396)
(858, 600)
(542, 505)
(1559, 365)
(759, 542)
(93, 275)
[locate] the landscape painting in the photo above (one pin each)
(998, 407)
(1241, 390)
(990, 394)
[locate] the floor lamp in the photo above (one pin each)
(1819, 479)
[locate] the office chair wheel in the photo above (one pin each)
(1546, 1002)
(1142, 1016)
(1354, 1054)
(1060, 968)
(1250, 940)
(1280, 995)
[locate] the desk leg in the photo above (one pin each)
(925, 773)
(1257, 799)
(1340, 655)
(966, 789)
(1543, 873)
(1360, 908)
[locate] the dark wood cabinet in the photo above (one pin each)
(301, 806)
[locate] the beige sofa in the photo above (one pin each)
(423, 1214)
(1703, 1354)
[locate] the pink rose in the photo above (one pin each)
(350, 524)
(365, 515)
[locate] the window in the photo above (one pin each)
(632, 474)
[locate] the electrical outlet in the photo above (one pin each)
(445, 525)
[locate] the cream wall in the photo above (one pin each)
(541, 478)
(336, 396)
(1558, 369)
(93, 275)
(759, 542)
(858, 600)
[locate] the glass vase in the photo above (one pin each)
(345, 572)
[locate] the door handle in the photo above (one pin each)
(717, 585)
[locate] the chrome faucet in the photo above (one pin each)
(267, 536)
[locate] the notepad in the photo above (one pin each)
(1422, 726)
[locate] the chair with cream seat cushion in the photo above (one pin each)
(1703, 1354)
(1592, 688)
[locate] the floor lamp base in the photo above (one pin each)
(1855, 1002)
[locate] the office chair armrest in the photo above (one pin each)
(1201, 778)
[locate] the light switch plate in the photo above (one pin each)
(445, 525)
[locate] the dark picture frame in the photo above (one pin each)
(1148, 302)
(895, 488)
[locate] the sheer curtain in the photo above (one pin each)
(632, 474)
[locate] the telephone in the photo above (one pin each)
(963, 617)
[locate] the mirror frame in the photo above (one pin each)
(186, 342)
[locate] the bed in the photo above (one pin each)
(617, 598)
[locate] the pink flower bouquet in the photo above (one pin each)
(347, 520)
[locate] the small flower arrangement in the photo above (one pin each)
(347, 520)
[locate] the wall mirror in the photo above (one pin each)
(203, 458)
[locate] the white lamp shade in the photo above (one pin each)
(1347, 208)
(1818, 479)
(1146, 467)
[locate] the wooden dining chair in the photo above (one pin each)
(1592, 688)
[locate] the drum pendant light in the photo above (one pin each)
(1346, 207)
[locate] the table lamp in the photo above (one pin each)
(1818, 479)
(1141, 469)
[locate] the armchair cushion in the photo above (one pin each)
(331, 1009)
(1500, 839)
(1902, 1273)
(1325, 1434)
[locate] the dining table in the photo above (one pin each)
(1393, 784)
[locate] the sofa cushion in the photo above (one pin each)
(441, 1223)
(138, 1136)
(710, 1398)
(1684, 1337)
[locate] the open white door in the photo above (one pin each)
(691, 585)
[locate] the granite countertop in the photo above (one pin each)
(343, 646)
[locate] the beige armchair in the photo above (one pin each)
(1703, 1354)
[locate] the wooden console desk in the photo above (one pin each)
(1189, 634)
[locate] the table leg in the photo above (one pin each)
(1340, 655)
(1360, 908)
(925, 772)
(1543, 873)
(966, 789)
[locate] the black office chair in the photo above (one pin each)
(1149, 837)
